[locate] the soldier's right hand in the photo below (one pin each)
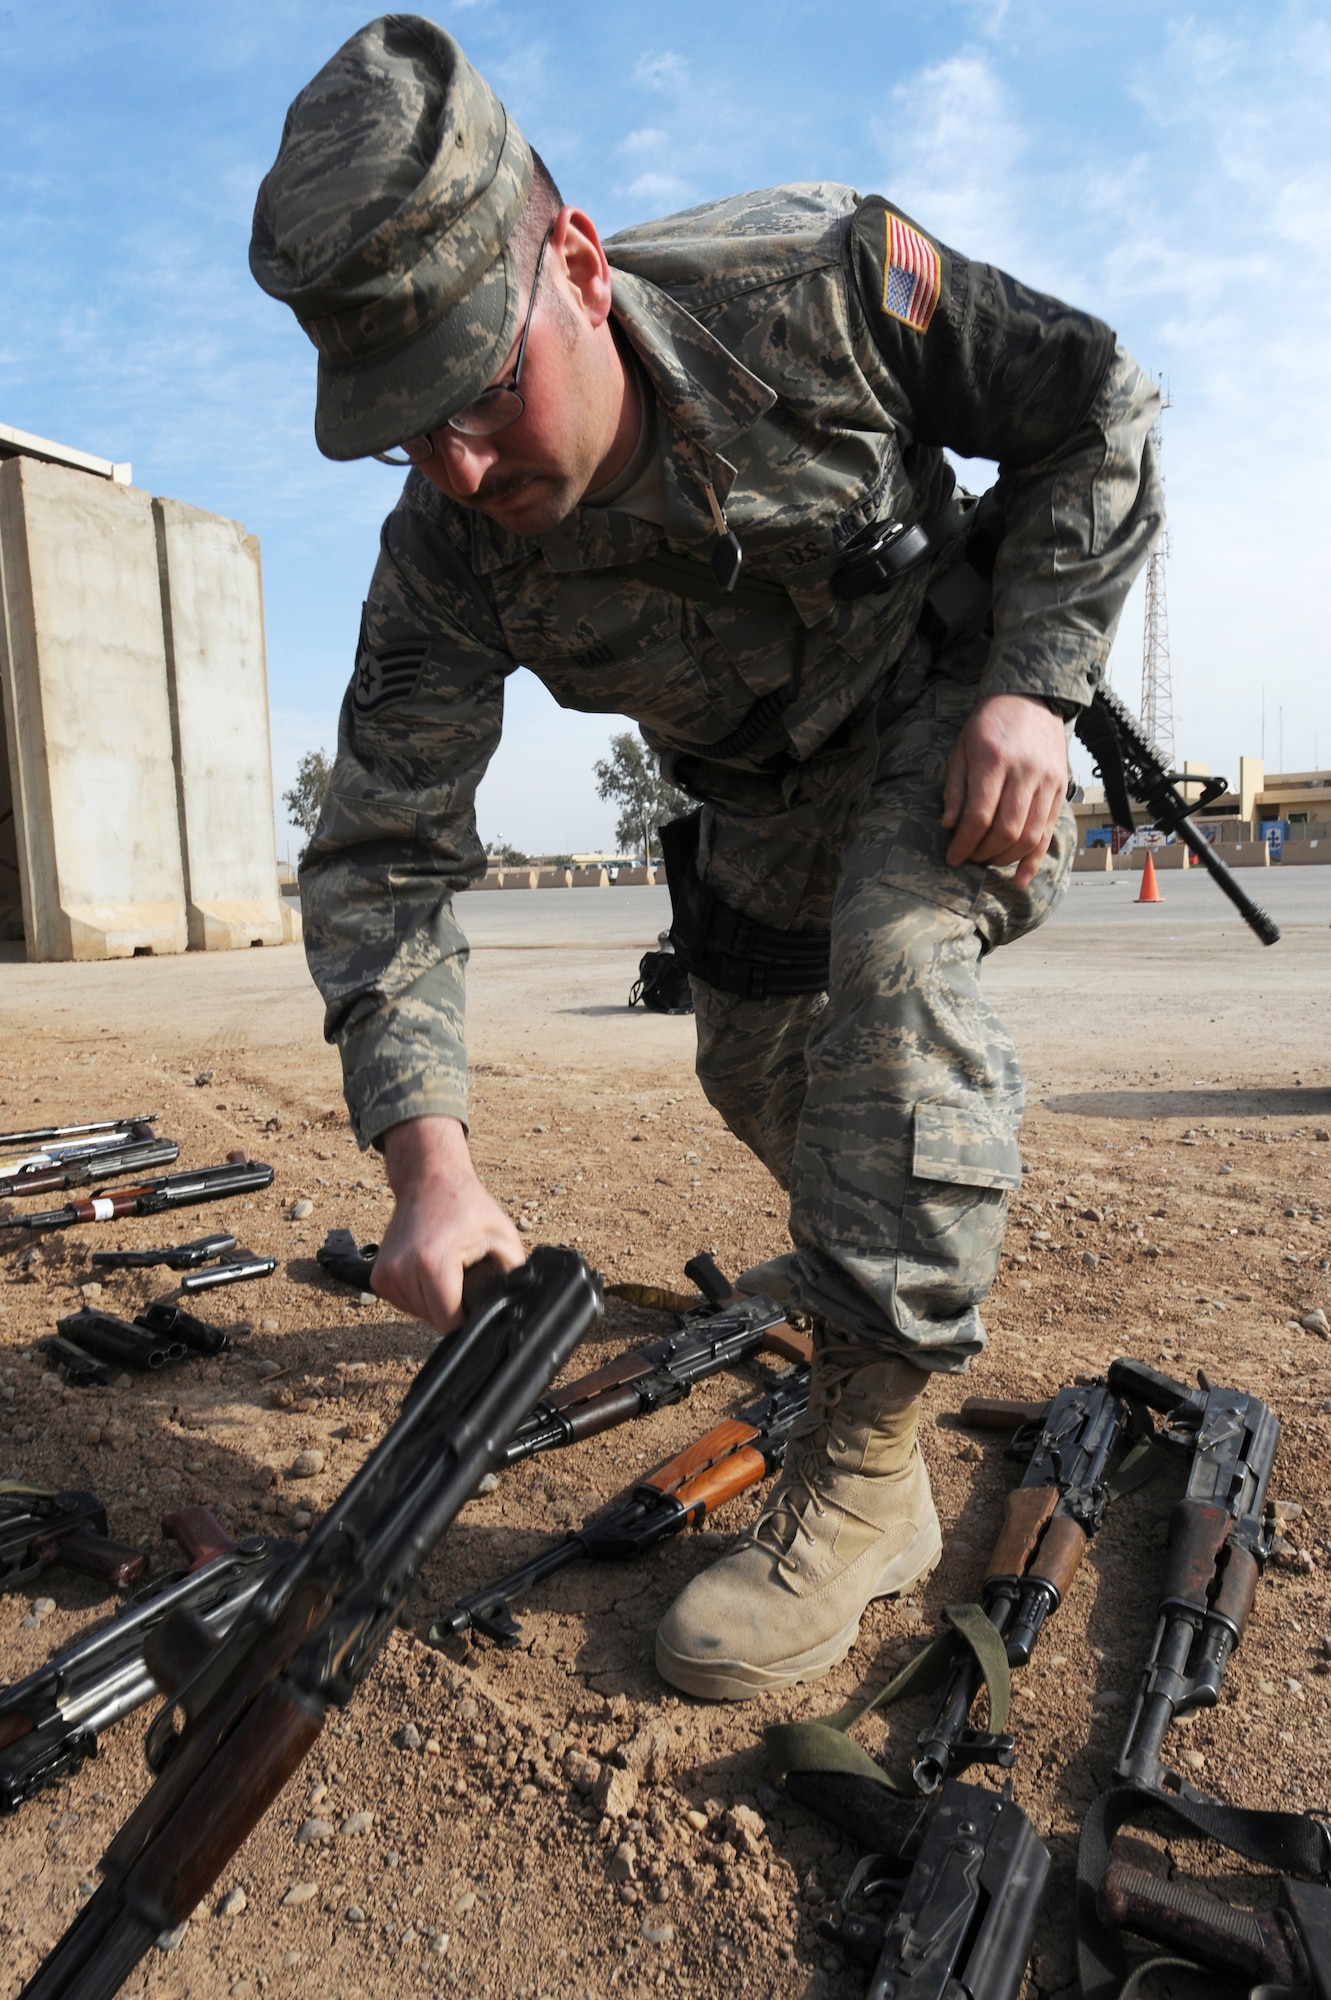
(444, 1223)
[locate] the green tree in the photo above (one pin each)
(305, 799)
(507, 855)
(631, 777)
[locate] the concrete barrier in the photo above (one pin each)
(591, 878)
(555, 878)
(212, 618)
(636, 878)
(1094, 861)
(1176, 856)
(519, 878)
(1246, 854)
(87, 717)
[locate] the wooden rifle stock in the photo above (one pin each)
(1026, 1510)
(1197, 1531)
(999, 1413)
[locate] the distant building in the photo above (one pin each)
(1286, 808)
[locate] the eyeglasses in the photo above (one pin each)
(493, 410)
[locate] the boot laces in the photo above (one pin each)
(798, 1493)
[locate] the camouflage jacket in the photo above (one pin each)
(811, 355)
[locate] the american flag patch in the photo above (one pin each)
(914, 275)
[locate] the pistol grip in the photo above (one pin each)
(199, 1533)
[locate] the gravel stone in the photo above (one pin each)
(623, 1863)
(582, 1772)
(306, 1464)
(300, 1892)
(312, 1830)
(615, 1792)
(657, 1933)
(408, 1737)
(1316, 1322)
(300, 1209)
(358, 1822)
(234, 1901)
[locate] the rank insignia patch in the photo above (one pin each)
(914, 276)
(387, 676)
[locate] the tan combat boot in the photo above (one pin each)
(850, 1519)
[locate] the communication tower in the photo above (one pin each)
(1157, 683)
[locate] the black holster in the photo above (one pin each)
(724, 948)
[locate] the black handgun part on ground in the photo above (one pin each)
(344, 1260)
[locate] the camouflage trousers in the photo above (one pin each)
(889, 1107)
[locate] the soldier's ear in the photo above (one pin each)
(576, 244)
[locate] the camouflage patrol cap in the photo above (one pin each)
(384, 223)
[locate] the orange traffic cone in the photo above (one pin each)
(1150, 889)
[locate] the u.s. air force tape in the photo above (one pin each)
(387, 676)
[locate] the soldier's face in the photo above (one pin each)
(581, 404)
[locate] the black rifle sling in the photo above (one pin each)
(825, 1744)
(1288, 1843)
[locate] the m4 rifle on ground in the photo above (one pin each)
(733, 1456)
(253, 1702)
(51, 1719)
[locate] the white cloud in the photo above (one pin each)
(647, 139)
(659, 191)
(954, 146)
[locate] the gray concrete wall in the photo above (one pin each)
(212, 615)
(87, 720)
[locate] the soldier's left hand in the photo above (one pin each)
(1005, 785)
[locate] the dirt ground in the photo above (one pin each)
(1176, 1154)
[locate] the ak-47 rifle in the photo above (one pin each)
(79, 1167)
(682, 1493)
(1219, 1542)
(107, 1132)
(945, 1900)
(50, 1720)
(728, 1329)
(254, 1701)
(1047, 1523)
(1130, 767)
(154, 1197)
(39, 1527)
(1220, 1537)
(176, 1256)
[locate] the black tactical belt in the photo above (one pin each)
(724, 948)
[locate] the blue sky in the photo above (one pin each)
(1170, 171)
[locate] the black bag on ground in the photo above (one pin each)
(662, 984)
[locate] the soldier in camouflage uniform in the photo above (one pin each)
(598, 432)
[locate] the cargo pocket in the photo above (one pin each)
(966, 1148)
(964, 1164)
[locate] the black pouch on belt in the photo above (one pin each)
(724, 948)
